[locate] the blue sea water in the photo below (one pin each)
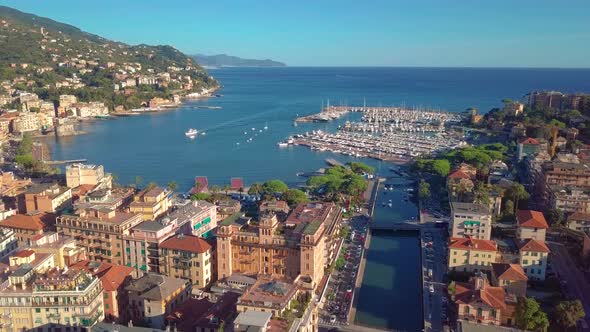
(154, 146)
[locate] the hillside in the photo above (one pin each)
(50, 58)
(223, 60)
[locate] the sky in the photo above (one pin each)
(430, 33)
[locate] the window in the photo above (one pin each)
(466, 310)
(106, 306)
(37, 310)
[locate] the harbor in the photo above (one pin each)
(398, 147)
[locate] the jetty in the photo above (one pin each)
(388, 113)
(333, 162)
(62, 162)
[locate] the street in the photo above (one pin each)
(337, 301)
(575, 286)
(434, 257)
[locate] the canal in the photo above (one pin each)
(390, 296)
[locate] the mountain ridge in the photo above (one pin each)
(225, 60)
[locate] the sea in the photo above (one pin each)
(257, 109)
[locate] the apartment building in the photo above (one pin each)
(46, 197)
(471, 220)
(8, 241)
(303, 245)
(26, 227)
(579, 222)
(529, 146)
(531, 225)
(570, 199)
(100, 231)
(113, 279)
(533, 258)
(153, 297)
(187, 257)
(269, 295)
(64, 249)
(566, 174)
(472, 255)
(83, 174)
(36, 300)
(151, 203)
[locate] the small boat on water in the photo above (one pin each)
(265, 127)
(203, 134)
(282, 144)
(191, 132)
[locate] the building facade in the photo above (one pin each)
(187, 257)
(472, 255)
(471, 220)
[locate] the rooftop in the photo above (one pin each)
(190, 243)
(471, 208)
(462, 243)
(504, 271)
(269, 292)
(530, 218)
(309, 212)
(111, 276)
(253, 318)
(534, 245)
(34, 222)
(156, 287)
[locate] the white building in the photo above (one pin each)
(471, 220)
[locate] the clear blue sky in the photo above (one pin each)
(477, 33)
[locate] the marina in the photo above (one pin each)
(398, 147)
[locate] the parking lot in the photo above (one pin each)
(340, 289)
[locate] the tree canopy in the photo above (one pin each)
(569, 312)
(529, 315)
(274, 187)
(361, 168)
(295, 196)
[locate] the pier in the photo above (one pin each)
(62, 162)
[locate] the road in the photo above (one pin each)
(577, 287)
(434, 257)
(342, 284)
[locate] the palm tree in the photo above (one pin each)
(172, 185)
(255, 189)
(215, 189)
(518, 193)
(226, 188)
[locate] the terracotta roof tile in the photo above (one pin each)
(534, 245)
(530, 218)
(529, 140)
(472, 244)
(459, 174)
(186, 243)
(111, 276)
(504, 271)
(35, 222)
(581, 216)
(465, 293)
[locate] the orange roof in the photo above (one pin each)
(23, 221)
(466, 293)
(186, 243)
(581, 216)
(24, 253)
(462, 243)
(534, 245)
(530, 218)
(459, 174)
(504, 271)
(529, 140)
(111, 276)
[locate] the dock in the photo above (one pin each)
(62, 162)
(333, 162)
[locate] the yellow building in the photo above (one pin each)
(100, 230)
(35, 300)
(302, 245)
(63, 249)
(81, 174)
(151, 203)
(187, 257)
(472, 255)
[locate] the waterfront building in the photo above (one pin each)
(151, 202)
(529, 146)
(26, 227)
(113, 279)
(472, 255)
(478, 301)
(26, 122)
(153, 297)
(187, 257)
(511, 277)
(114, 198)
(46, 197)
(533, 258)
(33, 300)
(8, 242)
(531, 225)
(569, 199)
(83, 174)
(100, 230)
(271, 295)
(579, 221)
(471, 220)
(303, 245)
